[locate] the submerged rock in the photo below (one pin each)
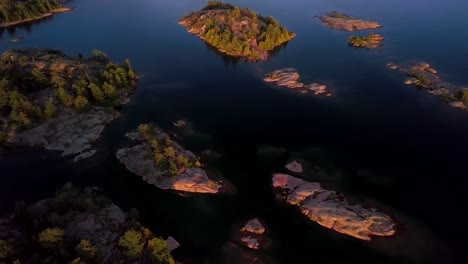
(295, 167)
(344, 22)
(85, 155)
(392, 66)
(139, 160)
(180, 123)
(327, 209)
(289, 77)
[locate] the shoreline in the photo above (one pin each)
(49, 14)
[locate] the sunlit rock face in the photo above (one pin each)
(344, 22)
(252, 233)
(289, 77)
(326, 208)
(138, 159)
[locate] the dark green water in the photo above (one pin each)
(415, 144)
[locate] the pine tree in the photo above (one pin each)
(81, 102)
(109, 90)
(50, 110)
(96, 92)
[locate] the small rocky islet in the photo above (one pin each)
(162, 162)
(370, 41)
(289, 78)
(236, 31)
(252, 234)
(79, 226)
(340, 21)
(423, 75)
(59, 102)
(332, 211)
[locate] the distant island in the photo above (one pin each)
(161, 161)
(79, 226)
(236, 31)
(59, 102)
(13, 12)
(339, 21)
(423, 75)
(370, 41)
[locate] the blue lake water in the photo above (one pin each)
(416, 145)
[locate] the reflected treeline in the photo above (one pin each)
(227, 59)
(12, 30)
(231, 60)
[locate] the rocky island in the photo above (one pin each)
(14, 12)
(370, 41)
(236, 31)
(289, 77)
(59, 102)
(253, 234)
(339, 21)
(161, 161)
(332, 211)
(423, 75)
(78, 226)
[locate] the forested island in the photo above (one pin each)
(14, 12)
(161, 161)
(78, 226)
(59, 102)
(237, 31)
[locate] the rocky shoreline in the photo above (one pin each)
(140, 159)
(332, 211)
(289, 77)
(49, 14)
(339, 21)
(423, 75)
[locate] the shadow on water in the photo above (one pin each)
(227, 59)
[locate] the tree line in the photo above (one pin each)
(17, 10)
(79, 85)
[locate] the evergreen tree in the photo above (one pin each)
(50, 110)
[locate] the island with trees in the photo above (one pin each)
(340, 21)
(13, 12)
(424, 76)
(370, 41)
(162, 162)
(78, 226)
(59, 102)
(236, 31)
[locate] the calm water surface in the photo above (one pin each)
(415, 145)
